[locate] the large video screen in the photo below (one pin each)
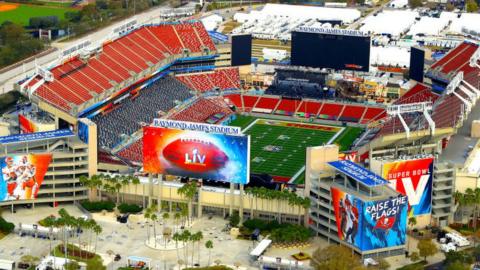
(372, 224)
(196, 154)
(22, 175)
(417, 64)
(241, 50)
(339, 52)
(413, 178)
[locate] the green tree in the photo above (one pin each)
(472, 6)
(458, 256)
(72, 265)
(414, 256)
(335, 257)
(412, 221)
(457, 266)
(426, 248)
(188, 191)
(209, 246)
(415, 3)
(177, 238)
(136, 181)
(234, 219)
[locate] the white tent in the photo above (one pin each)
(391, 22)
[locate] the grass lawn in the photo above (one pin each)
(279, 147)
(23, 13)
(95, 263)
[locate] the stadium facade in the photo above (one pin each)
(355, 207)
(103, 96)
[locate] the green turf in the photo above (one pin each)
(23, 13)
(242, 121)
(347, 137)
(292, 141)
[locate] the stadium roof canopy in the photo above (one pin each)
(346, 15)
(390, 22)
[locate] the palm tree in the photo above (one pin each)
(209, 246)
(188, 191)
(198, 239)
(185, 237)
(50, 223)
(460, 201)
(177, 237)
(97, 229)
(412, 221)
(117, 186)
(135, 181)
(64, 221)
(177, 216)
(125, 181)
(165, 217)
(150, 213)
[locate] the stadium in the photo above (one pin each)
(286, 134)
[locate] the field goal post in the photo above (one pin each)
(423, 107)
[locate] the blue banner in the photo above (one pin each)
(37, 136)
(358, 173)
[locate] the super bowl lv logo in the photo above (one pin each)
(412, 178)
(195, 158)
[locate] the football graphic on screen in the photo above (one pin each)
(195, 155)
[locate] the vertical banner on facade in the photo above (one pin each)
(384, 223)
(22, 175)
(370, 225)
(414, 179)
(347, 210)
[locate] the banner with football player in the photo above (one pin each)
(347, 210)
(22, 175)
(384, 223)
(413, 178)
(196, 154)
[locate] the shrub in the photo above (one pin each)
(5, 226)
(253, 224)
(129, 208)
(98, 206)
(234, 219)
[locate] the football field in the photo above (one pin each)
(279, 147)
(21, 13)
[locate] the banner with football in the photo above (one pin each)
(22, 175)
(413, 178)
(196, 154)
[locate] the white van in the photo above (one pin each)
(7, 264)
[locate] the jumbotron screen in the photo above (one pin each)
(22, 176)
(196, 154)
(335, 49)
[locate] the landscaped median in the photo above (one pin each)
(93, 261)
